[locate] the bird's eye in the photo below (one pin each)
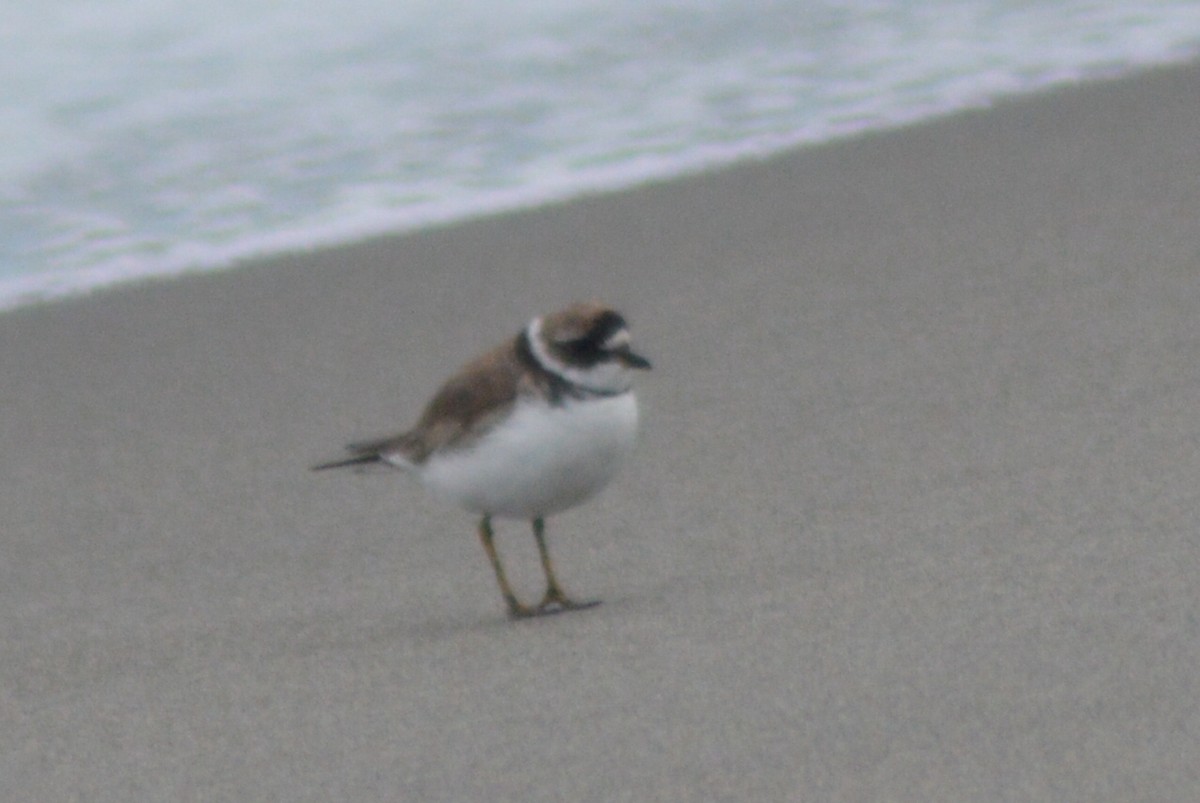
(583, 351)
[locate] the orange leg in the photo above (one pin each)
(555, 598)
(515, 609)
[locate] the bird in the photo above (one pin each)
(535, 426)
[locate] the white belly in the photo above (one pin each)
(541, 460)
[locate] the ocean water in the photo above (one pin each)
(147, 137)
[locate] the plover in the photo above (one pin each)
(533, 427)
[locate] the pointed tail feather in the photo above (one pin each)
(390, 452)
(357, 460)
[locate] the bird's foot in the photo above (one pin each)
(520, 611)
(555, 601)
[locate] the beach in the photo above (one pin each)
(911, 517)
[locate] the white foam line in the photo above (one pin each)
(356, 225)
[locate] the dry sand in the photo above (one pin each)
(913, 516)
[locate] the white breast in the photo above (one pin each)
(541, 460)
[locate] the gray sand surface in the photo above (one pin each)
(913, 515)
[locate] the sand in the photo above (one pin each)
(913, 515)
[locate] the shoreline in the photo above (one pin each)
(911, 515)
(35, 290)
